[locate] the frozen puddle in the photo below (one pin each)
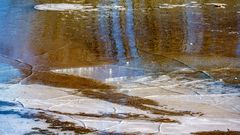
(74, 7)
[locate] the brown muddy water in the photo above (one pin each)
(85, 44)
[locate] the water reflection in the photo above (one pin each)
(117, 31)
(130, 29)
(106, 73)
(111, 35)
(15, 28)
(9, 74)
(193, 29)
(104, 30)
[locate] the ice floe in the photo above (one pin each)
(169, 6)
(192, 4)
(111, 7)
(63, 7)
(75, 7)
(172, 5)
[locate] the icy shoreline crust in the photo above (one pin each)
(73, 7)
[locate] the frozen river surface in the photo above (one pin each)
(119, 66)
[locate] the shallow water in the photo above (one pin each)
(142, 48)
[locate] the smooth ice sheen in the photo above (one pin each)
(9, 74)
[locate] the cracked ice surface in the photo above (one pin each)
(216, 100)
(219, 110)
(56, 99)
(15, 119)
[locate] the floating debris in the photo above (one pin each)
(171, 6)
(193, 4)
(233, 33)
(121, 8)
(217, 5)
(217, 132)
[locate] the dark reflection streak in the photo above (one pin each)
(140, 19)
(130, 29)
(214, 28)
(104, 29)
(130, 33)
(5, 9)
(193, 30)
(116, 31)
(238, 46)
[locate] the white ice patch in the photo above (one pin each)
(75, 7)
(192, 4)
(170, 6)
(111, 7)
(63, 7)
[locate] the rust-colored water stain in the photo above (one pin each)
(66, 81)
(37, 130)
(133, 101)
(61, 125)
(217, 132)
(228, 75)
(67, 127)
(122, 116)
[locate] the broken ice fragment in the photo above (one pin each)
(217, 5)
